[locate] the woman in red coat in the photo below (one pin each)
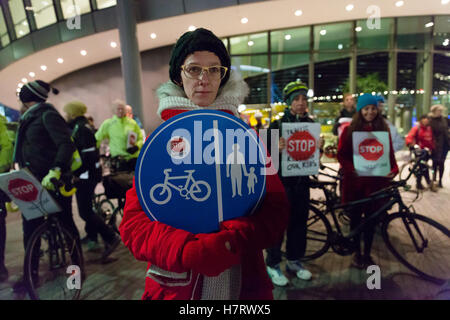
(354, 187)
(227, 264)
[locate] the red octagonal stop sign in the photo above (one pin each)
(23, 190)
(301, 145)
(371, 149)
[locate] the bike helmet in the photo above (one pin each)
(293, 89)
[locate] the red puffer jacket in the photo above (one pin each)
(162, 246)
(421, 135)
(353, 186)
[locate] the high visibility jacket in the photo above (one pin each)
(6, 147)
(116, 130)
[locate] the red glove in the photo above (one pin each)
(242, 225)
(213, 253)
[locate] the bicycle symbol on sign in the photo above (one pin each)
(198, 190)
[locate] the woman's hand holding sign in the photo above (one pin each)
(221, 250)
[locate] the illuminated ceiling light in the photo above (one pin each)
(113, 44)
(21, 33)
(349, 7)
(444, 2)
(83, 52)
(60, 60)
(32, 74)
(43, 67)
(298, 13)
(429, 24)
(192, 28)
(340, 46)
(242, 107)
(399, 3)
(24, 80)
(44, 3)
(358, 29)
(153, 35)
(323, 32)
(20, 84)
(250, 43)
(244, 20)
(288, 37)
(25, 23)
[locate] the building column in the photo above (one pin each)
(131, 58)
(353, 66)
(392, 73)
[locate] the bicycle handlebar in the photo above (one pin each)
(60, 185)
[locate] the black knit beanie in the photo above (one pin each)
(198, 40)
(36, 91)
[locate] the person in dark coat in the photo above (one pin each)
(297, 190)
(44, 146)
(441, 141)
(347, 112)
(88, 176)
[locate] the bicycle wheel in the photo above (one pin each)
(53, 265)
(202, 188)
(317, 234)
(420, 243)
(160, 193)
(115, 219)
(405, 170)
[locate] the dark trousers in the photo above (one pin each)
(298, 196)
(94, 223)
(438, 165)
(3, 213)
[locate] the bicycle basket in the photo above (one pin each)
(116, 185)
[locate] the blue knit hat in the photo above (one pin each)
(365, 100)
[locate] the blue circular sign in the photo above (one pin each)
(200, 168)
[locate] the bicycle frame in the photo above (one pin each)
(187, 177)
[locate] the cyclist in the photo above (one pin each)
(89, 174)
(119, 130)
(297, 190)
(422, 136)
(44, 146)
(227, 264)
(354, 187)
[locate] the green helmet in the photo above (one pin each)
(293, 89)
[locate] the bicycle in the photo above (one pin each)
(417, 155)
(164, 193)
(52, 257)
(424, 246)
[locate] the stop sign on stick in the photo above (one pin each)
(301, 145)
(371, 149)
(23, 190)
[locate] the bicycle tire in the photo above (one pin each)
(318, 234)
(432, 265)
(115, 219)
(51, 279)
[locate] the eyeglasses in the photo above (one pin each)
(195, 71)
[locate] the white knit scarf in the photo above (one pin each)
(229, 97)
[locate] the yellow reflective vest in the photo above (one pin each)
(117, 131)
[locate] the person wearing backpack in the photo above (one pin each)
(88, 176)
(44, 146)
(422, 135)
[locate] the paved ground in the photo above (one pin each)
(123, 276)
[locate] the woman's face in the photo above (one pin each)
(369, 112)
(201, 91)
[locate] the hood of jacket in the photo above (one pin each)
(229, 97)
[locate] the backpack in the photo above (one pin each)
(95, 172)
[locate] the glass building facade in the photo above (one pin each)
(406, 59)
(390, 57)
